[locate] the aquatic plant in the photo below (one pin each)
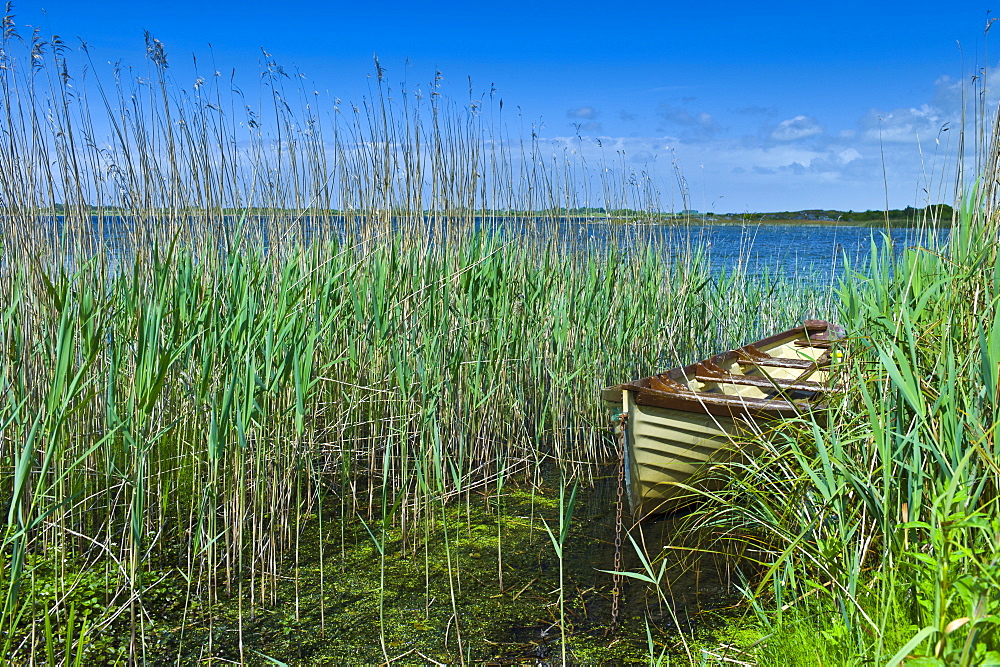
(230, 334)
(873, 535)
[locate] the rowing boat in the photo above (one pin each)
(675, 423)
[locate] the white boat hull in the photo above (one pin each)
(665, 448)
(684, 419)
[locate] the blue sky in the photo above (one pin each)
(783, 107)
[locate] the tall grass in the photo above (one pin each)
(227, 323)
(873, 537)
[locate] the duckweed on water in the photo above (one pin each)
(407, 596)
(436, 593)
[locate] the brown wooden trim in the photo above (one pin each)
(723, 406)
(670, 389)
(764, 383)
(813, 342)
(778, 362)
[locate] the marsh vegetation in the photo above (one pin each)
(236, 425)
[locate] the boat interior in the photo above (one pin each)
(791, 366)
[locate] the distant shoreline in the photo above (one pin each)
(939, 215)
(804, 222)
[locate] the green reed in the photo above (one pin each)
(872, 535)
(203, 361)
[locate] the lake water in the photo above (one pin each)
(811, 252)
(802, 251)
(817, 251)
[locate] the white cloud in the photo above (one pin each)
(904, 154)
(769, 175)
(585, 113)
(848, 155)
(904, 125)
(699, 123)
(799, 127)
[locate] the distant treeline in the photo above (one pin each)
(910, 215)
(939, 212)
(942, 213)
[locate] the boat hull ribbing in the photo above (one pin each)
(666, 448)
(677, 423)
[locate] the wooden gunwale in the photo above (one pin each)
(778, 362)
(671, 389)
(762, 382)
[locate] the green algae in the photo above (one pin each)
(475, 581)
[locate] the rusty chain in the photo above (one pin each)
(619, 507)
